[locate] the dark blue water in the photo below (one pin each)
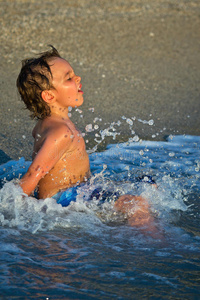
(87, 250)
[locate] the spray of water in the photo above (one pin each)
(174, 170)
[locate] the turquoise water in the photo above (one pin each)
(87, 250)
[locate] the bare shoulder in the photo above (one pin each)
(51, 133)
(56, 129)
(51, 127)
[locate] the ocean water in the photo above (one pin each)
(87, 250)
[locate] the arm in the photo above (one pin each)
(55, 145)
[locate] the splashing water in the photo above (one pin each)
(112, 130)
(175, 170)
(86, 250)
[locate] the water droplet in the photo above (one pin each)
(97, 119)
(136, 138)
(88, 128)
(151, 122)
(129, 121)
(171, 154)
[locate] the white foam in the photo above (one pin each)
(113, 169)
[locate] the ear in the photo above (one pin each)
(48, 96)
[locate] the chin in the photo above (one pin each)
(79, 102)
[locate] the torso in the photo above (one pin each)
(73, 166)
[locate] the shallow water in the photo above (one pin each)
(86, 250)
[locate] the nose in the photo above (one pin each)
(78, 78)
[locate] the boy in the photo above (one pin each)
(48, 86)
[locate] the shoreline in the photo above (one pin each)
(135, 60)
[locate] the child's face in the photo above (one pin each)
(67, 85)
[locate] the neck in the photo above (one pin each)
(59, 111)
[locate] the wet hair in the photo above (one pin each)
(35, 76)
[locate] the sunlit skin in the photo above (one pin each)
(137, 211)
(60, 159)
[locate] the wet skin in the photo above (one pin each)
(60, 159)
(69, 153)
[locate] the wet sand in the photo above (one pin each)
(136, 59)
